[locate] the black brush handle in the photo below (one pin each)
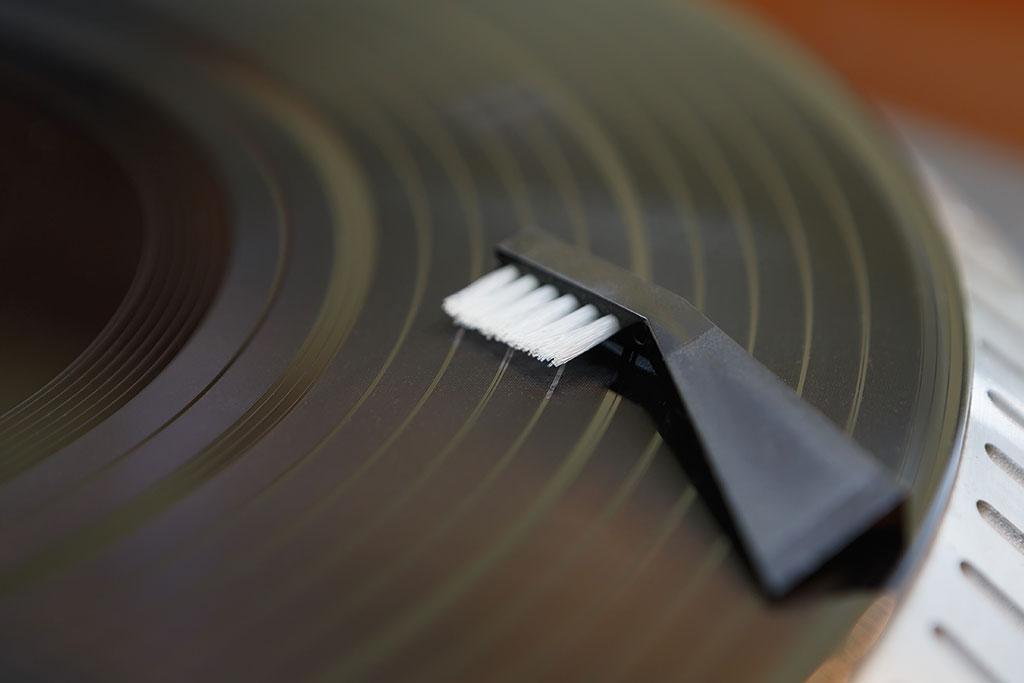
(797, 488)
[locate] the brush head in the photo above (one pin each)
(517, 309)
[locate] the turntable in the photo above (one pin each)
(240, 440)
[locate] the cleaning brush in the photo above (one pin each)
(797, 489)
(518, 310)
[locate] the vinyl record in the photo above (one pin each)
(245, 443)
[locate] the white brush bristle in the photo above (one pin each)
(537, 319)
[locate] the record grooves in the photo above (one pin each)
(277, 459)
(178, 270)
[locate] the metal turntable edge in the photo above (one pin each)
(959, 615)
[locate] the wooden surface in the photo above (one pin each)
(958, 62)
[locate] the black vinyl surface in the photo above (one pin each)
(262, 452)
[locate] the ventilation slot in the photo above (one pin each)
(986, 586)
(1008, 409)
(966, 656)
(1005, 527)
(1005, 463)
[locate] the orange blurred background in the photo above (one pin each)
(960, 63)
